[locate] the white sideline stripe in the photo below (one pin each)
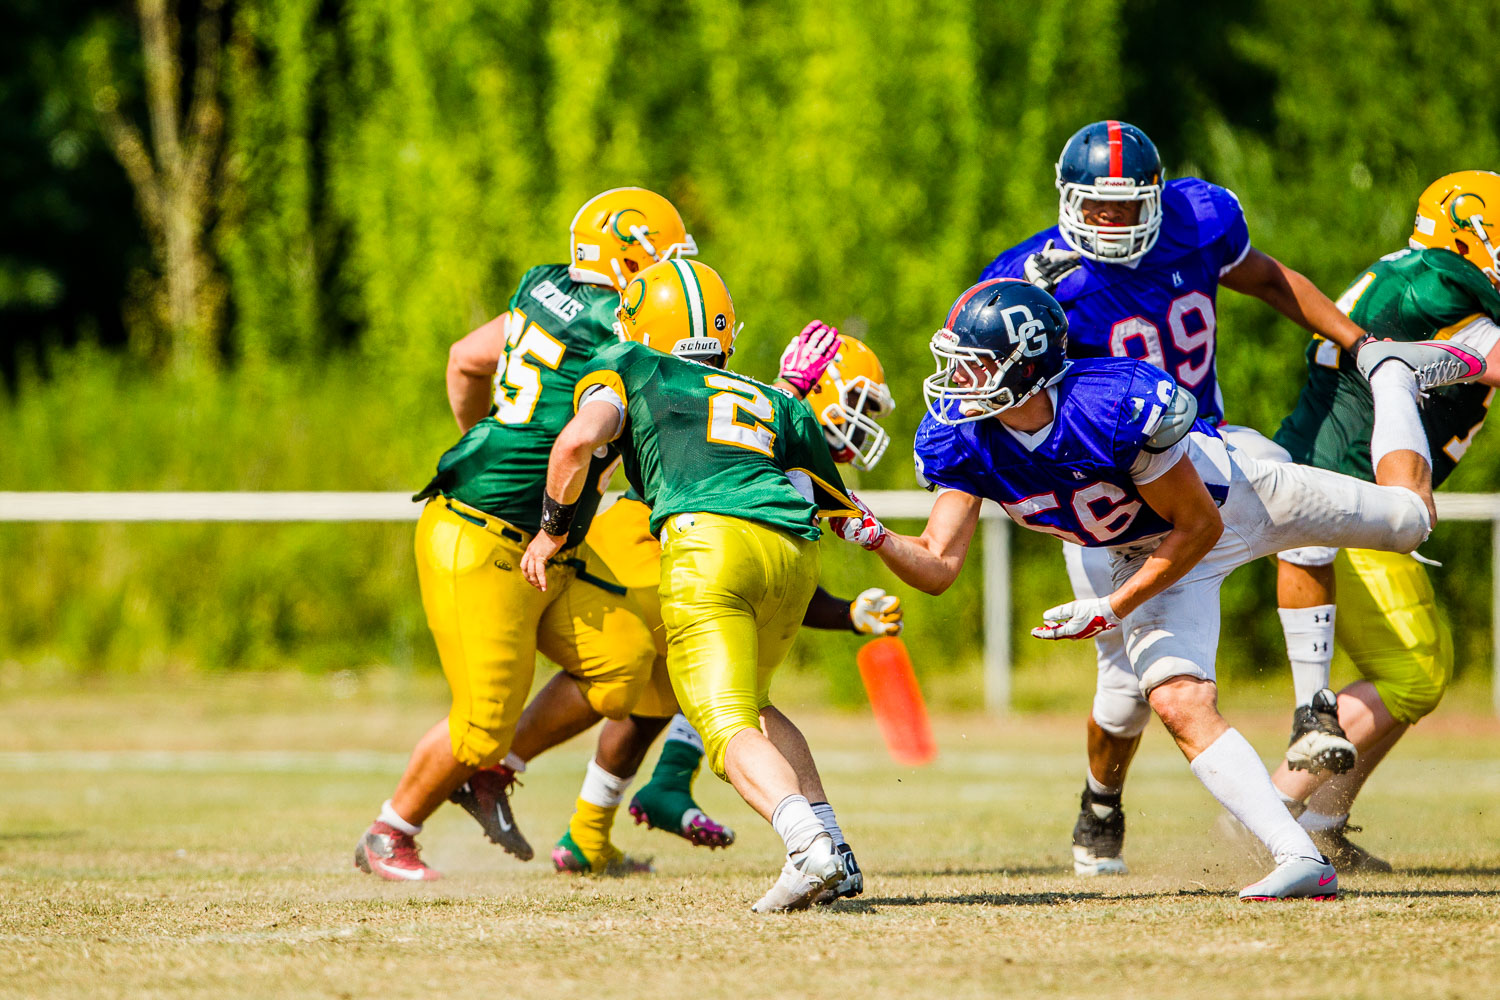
(330, 506)
(204, 761)
(981, 763)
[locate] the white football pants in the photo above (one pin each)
(1272, 505)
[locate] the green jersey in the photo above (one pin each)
(500, 465)
(1407, 295)
(700, 440)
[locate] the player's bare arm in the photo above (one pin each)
(596, 424)
(1180, 497)
(931, 561)
(1293, 295)
(472, 363)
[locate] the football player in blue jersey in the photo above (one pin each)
(1110, 453)
(1136, 262)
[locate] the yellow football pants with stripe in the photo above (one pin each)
(733, 594)
(621, 537)
(1389, 625)
(489, 624)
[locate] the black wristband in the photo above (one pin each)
(557, 518)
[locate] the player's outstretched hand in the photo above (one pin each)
(1049, 266)
(534, 560)
(865, 531)
(874, 612)
(808, 355)
(1077, 620)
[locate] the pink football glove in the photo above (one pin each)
(1077, 620)
(865, 531)
(809, 355)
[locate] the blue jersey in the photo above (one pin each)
(1160, 309)
(1072, 479)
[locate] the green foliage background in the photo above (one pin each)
(392, 166)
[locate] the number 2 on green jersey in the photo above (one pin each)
(524, 378)
(724, 425)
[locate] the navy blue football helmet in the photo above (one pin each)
(1109, 161)
(1004, 341)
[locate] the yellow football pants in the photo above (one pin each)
(621, 536)
(1389, 625)
(489, 624)
(733, 594)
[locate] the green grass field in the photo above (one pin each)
(194, 840)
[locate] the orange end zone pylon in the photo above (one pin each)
(896, 699)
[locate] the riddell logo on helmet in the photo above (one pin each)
(1115, 182)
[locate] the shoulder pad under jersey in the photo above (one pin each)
(1176, 421)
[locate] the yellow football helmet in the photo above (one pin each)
(679, 307)
(1461, 212)
(620, 233)
(849, 400)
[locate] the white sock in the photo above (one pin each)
(1398, 425)
(830, 822)
(390, 817)
(515, 763)
(603, 789)
(1322, 821)
(683, 732)
(797, 824)
(1100, 788)
(1309, 645)
(1233, 774)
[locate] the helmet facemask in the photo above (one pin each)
(975, 399)
(1110, 244)
(850, 422)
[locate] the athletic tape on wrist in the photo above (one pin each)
(557, 518)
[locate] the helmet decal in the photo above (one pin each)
(1116, 150)
(1464, 208)
(628, 306)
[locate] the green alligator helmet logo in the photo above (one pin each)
(622, 229)
(1465, 207)
(638, 289)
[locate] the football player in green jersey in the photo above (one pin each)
(737, 475)
(843, 381)
(482, 510)
(1443, 285)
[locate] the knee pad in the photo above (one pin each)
(716, 743)
(1309, 556)
(1416, 702)
(1121, 714)
(612, 700)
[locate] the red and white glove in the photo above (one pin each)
(1077, 620)
(874, 612)
(809, 354)
(865, 531)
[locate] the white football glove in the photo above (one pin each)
(1077, 620)
(1049, 266)
(865, 531)
(874, 612)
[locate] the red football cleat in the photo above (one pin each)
(391, 854)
